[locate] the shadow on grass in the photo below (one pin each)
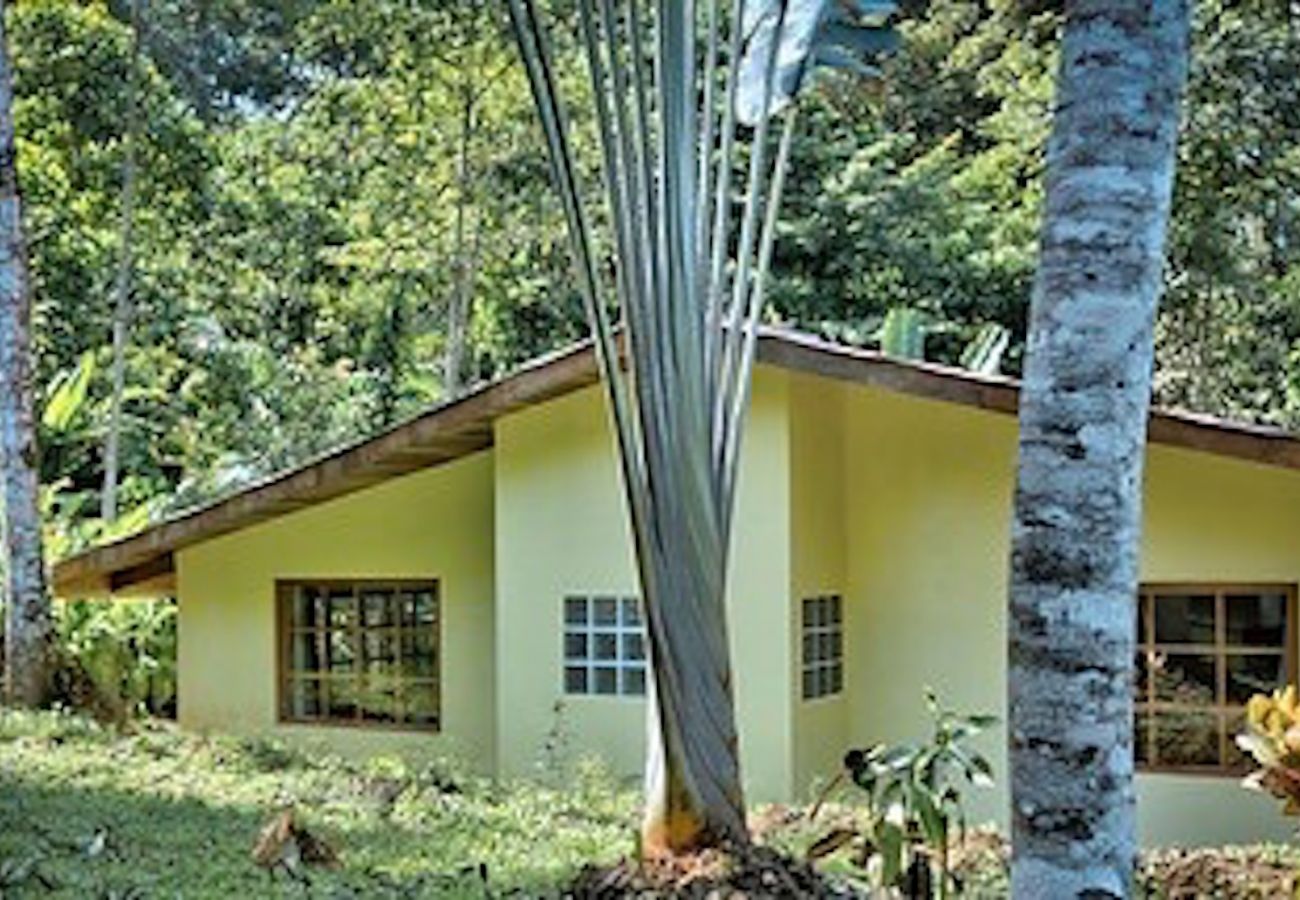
(158, 846)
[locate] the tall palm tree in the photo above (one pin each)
(1083, 421)
(677, 87)
(27, 624)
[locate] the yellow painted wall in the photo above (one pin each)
(818, 566)
(928, 489)
(433, 524)
(562, 529)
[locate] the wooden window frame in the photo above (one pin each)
(285, 590)
(1220, 650)
(832, 665)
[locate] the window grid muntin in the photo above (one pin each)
(588, 621)
(1150, 711)
(415, 695)
(822, 646)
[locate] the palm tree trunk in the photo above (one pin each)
(1083, 419)
(122, 281)
(28, 635)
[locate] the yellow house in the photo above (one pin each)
(464, 582)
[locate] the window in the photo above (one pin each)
(604, 646)
(359, 653)
(1203, 650)
(823, 646)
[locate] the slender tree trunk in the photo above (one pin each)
(1083, 420)
(122, 281)
(28, 635)
(466, 258)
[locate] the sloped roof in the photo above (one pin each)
(143, 562)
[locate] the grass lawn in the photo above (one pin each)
(178, 815)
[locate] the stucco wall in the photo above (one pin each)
(562, 529)
(928, 489)
(434, 524)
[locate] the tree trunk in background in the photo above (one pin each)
(122, 281)
(1083, 421)
(466, 258)
(28, 647)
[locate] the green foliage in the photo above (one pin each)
(913, 795)
(180, 813)
(126, 652)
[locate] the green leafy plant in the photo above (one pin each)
(914, 801)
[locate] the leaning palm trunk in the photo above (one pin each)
(1083, 422)
(28, 648)
(672, 87)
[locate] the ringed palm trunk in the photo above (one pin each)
(28, 646)
(1083, 423)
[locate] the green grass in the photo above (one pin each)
(181, 814)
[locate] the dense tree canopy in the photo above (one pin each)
(321, 181)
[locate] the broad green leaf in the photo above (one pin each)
(67, 394)
(903, 334)
(984, 353)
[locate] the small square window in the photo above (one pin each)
(604, 646)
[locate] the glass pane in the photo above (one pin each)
(606, 679)
(837, 644)
(342, 694)
(1142, 619)
(837, 611)
(634, 682)
(1254, 674)
(308, 608)
(809, 683)
(1184, 619)
(837, 679)
(1186, 738)
(306, 651)
(633, 647)
(606, 646)
(380, 652)
(575, 645)
(341, 651)
(419, 655)
(631, 611)
(378, 608)
(1141, 670)
(1186, 678)
(575, 610)
(605, 611)
(420, 702)
(575, 680)
(1256, 620)
(342, 609)
(378, 700)
(426, 608)
(304, 698)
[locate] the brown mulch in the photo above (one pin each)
(751, 872)
(1247, 873)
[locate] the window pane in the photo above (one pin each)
(1141, 670)
(606, 646)
(1254, 674)
(1185, 619)
(378, 700)
(304, 698)
(837, 611)
(306, 651)
(605, 611)
(342, 609)
(575, 645)
(606, 679)
(380, 652)
(1256, 620)
(419, 656)
(633, 647)
(1142, 619)
(342, 698)
(631, 611)
(420, 702)
(575, 679)
(308, 608)
(1141, 746)
(1185, 678)
(377, 608)
(1187, 738)
(634, 682)
(342, 653)
(426, 609)
(575, 610)
(809, 648)
(837, 679)
(809, 683)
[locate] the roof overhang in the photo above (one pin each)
(144, 563)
